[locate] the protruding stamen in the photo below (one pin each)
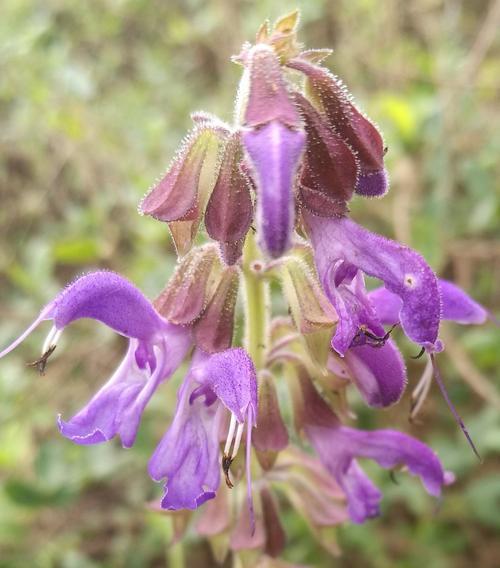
(230, 453)
(230, 434)
(419, 394)
(375, 340)
(41, 363)
(48, 340)
(237, 441)
(226, 464)
(420, 353)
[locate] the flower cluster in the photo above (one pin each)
(272, 190)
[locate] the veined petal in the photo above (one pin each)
(338, 447)
(118, 406)
(457, 306)
(274, 150)
(379, 373)
(403, 271)
(188, 454)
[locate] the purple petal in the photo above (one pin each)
(373, 184)
(403, 271)
(363, 497)
(338, 447)
(349, 298)
(379, 373)
(104, 296)
(231, 376)
(274, 150)
(188, 454)
(117, 408)
(111, 299)
(457, 306)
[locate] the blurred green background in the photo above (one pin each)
(94, 98)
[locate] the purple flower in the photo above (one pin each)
(156, 349)
(343, 249)
(457, 306)
(338, 448)
(274, 140)
(350, 124)
(379, 374)
(188, 454)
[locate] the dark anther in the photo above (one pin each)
(226, 464)
(394, 479)
(41, 363)
(386, 149)
(254, 230)
(420, 353)
(376, 340)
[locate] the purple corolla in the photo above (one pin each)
(338, 447)
(156, 349)
(188, 454)
(342, 250)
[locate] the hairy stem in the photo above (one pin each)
(257, 305)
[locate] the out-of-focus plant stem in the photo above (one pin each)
(175, 550)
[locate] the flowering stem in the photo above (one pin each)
(257, 305)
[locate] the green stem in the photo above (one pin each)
(175, 552)
(257, 305)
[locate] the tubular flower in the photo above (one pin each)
(342, 249)
(188, 455)
(156, 349)
(338, 447)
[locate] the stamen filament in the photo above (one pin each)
(230, 434)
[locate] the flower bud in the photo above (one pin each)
(274, 139)
(273, 529)
(330, 170)
(331, 97)
(270, 436)
(310, 308)
(213, 332)
(181, 196)
(229, 211)
(190, 288)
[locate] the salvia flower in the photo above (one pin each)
(188, 455)
(156, 349)
(338, 447)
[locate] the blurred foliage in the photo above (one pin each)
(94, 98)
